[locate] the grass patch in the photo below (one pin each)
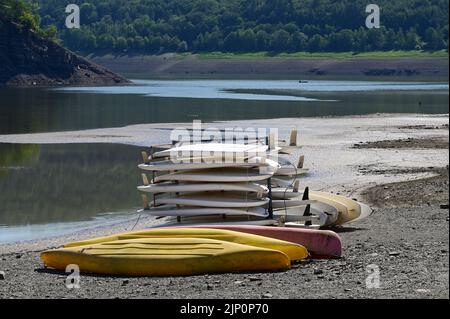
(319, 55)
(271, 55)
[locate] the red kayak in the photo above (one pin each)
(320, 243)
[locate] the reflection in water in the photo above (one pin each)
(225, 89)
(15, 156)
(40, 110)
(66, 183)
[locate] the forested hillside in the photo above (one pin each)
(155, 26)
(24, 14)
(29, 58)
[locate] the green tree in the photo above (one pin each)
(231, 43)
(245, 25)
(139, 43)
(299, 41)
(182, 47)
(375, 39)
(317, 43)
(247, 39)
(412, 41)
(106, 42)
(281, 41)
(121, 44)
(20, 12)
(50, 32)
(342, 41)
(433, 39)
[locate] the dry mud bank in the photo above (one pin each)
(369, 68)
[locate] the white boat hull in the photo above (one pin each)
(204, 211)
(204, 187)
(226, 175)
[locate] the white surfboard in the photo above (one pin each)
(284, 193)
(315, 220)
(215, 199)
(228, 157)
(170, 187)
(210, 149)
(202, 211)
(281, 203)
(219, 220)
(225, 175)
(169, 165)
(291, 171)
(326, 215)
(292, 219)
(282, 182)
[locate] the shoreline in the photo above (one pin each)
(408, 242)
(374, 68)
(134, 134)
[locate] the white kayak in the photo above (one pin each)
(225, 175)
(349, 210)
(181, 165)
(170, 187)
(210, 149)
(366, 211)
(203, 211)
(214, 199)
(293, 217)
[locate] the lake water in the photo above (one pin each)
(49, 189)
(55, 189)
(151, 101)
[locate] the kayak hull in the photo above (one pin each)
(204, 187)
(166, 257)
(292, 250)
(319, 243)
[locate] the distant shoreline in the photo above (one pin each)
(289, 66)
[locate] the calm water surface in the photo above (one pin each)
(48, 189)
(55, 189)
(151, 101)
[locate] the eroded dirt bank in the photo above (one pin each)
(370, 68)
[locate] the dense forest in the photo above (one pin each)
(156, 26)
(25, 14)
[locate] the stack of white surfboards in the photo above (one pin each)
(231, 183)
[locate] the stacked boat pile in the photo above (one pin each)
(229, 207)
(238, 183)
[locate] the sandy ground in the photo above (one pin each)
(406, 238)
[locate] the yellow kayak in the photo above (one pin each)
(166, 257)
(348, 208)
(292, 250)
